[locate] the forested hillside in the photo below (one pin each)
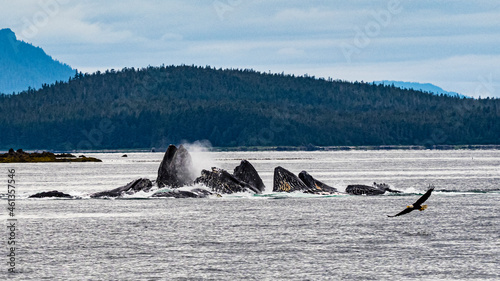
(160, 105)
(24, 66)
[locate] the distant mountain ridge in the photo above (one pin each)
(23, 65)
(424, 87)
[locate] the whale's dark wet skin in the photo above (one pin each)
(252, 237)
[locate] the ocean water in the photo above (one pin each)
(261, 237)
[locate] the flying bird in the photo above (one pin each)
(417, 205)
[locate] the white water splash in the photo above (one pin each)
(200, 155)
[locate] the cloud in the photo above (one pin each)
(470, 75)
(449, 43)
(291, 52)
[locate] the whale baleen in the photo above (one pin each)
(286, 181)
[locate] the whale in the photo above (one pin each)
(129, 189)
(376, 189)
(246, 172)
(176, 168)
(50, 194)
(286, 181)
(315, 186)
(360, 189)
(176, 193)
(221, 181)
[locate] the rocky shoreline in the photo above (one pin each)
(20, 156)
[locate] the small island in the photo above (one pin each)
(20, 156)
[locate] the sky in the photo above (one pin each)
(452, 44)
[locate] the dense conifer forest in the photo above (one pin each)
(156, 106)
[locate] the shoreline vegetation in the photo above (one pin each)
(20, 156)
(65, 156)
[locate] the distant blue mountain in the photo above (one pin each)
(23, 65)
(424, 87)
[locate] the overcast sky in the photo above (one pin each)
(452, 44)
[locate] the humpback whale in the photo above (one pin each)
(176, 168)
(245, 172)
(49, 194)
(286, 181)
(376, 189)
(130, 188)
(417, 205)
(315, 186)
(176, 193)
(359, 189)
(219, 180)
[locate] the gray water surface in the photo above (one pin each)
(266, 237)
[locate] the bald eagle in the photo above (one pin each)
(417, 205)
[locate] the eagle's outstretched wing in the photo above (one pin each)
(405, 211)
(424, 197)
